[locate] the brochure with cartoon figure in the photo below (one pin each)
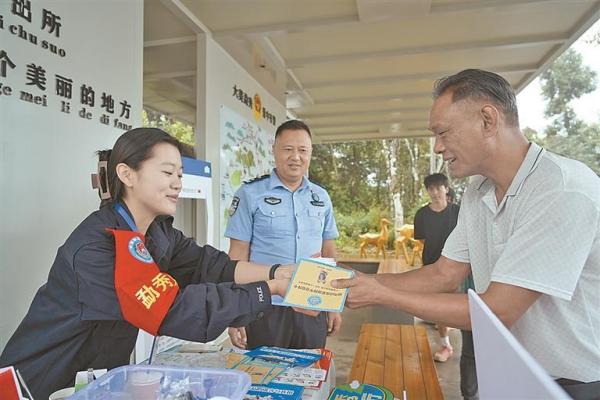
(310, 287)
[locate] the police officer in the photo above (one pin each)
(279, 219)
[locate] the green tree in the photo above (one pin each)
(566, 80)
(361, 178)
(180, 130)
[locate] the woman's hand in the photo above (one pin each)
(278, 285)
(285, 271)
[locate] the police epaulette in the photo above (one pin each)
(259, 178)
(318, 184)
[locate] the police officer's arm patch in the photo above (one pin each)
(235, 202)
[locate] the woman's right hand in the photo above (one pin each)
(278, 286)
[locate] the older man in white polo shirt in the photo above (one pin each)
(528, 229)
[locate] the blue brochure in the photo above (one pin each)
(291, 358)
(274, 391)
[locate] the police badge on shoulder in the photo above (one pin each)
(235, 202)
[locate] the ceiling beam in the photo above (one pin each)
(170, 41)
(346, 113)
(584, 23)
(478, 5)
(411, 77)
(186, 16)
(367, 123)
(370, 99)
(327, 23)
(511, 43)
(168, 75)
(288, 26)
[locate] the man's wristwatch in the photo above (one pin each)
(272, 270)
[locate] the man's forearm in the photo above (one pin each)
(449, 309)
(427, 279)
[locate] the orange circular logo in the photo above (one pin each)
(257, 109)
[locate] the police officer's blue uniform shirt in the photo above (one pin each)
(281, 226)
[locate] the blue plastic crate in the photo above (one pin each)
(148, 382)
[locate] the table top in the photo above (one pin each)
(397, 357)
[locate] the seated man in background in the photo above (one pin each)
(279, 219)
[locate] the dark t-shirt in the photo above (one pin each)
(434, 228)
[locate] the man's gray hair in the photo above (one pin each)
(479, 84)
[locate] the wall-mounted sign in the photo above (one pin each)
(255, 104)
(30, 81)
(70, 83)
(196, 178)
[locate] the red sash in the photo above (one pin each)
(145, 293)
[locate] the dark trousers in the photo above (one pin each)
(468, 372)
(580, 390)
(283, 327)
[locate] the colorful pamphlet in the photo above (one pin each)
(354, 390)
(288, 358)
(274, 391)
(310, 377)
(310, 287)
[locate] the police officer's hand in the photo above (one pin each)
(364, 289)
(334, 322)
(238, 337)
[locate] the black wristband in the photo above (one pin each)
(272, 270)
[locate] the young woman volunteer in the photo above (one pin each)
(125, 267)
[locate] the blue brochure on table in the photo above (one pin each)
(291, 358)
(274, 391)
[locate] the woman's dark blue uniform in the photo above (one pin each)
(75, 320)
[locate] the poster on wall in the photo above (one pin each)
(246, 152)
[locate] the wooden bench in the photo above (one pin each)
(397, 357)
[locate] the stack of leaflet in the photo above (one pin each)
(311, 377)
(282, 374)
(264, 364)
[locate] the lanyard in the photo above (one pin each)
(121, 210)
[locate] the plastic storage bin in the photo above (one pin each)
(148, 382)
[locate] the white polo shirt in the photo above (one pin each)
(543, 236)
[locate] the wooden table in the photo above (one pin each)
(394, 266)
(397, 357)
(385, 265)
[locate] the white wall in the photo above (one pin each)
(46, 156)
(222, 72)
